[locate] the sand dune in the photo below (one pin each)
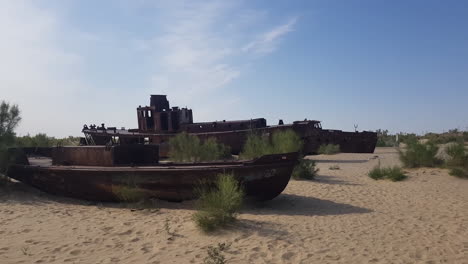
(342, 217)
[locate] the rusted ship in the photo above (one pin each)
(133, 172)
(158, 122)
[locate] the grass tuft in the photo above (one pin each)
(392, 173)
(305, 169)
(280, 142)
(218, 205)
(420, 155)
(285, 141)
(458, 162)
(129, 194)
(459, 172)
(189, 148)
(329, 149)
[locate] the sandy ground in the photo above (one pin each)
(342, 217)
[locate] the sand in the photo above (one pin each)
(342, 217)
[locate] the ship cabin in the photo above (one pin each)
(159, 117)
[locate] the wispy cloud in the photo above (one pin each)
(191, 57)
(191, 50)
(201, 49)
(268, 42)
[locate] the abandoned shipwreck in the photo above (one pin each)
(133, 173)
(158, 122)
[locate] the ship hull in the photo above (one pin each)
(262, 179)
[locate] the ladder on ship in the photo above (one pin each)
(89, 139)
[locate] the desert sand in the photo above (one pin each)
(341, 217)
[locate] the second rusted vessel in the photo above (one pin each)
(159, 122)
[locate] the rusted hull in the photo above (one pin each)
(263, 179)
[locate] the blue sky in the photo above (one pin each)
(397, 65)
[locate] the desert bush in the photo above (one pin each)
(305, 169)
(420, 155)
(391, 173)
(210, 150)
(189, 148)
(218, 205)
(458, 156)
(258, 145)
(458, 161)
(255, 146)
(408, 138)
(465, 136)
(9, 119)
(128, 193)
(329, 149)
(384, 139)
(458, 172)
(42, 140)
(286, 141)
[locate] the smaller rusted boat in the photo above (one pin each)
(123, 173)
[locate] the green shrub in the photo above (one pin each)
(218, 205)
(329, 149)
(211, 150)
(255, 146)
(129, 194)
(42, 140)
(465, 136)
(285, 142)
(458, 161)
(9, 119)
(458, 156)
(258, 145)
(459, 172)
(384, 139)
(305, 169)
(408, 138)
(189, 148)
(420, 155)
(392, 173)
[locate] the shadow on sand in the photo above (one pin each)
(333, 180)
(341, 161)
(291, 204)
(284, 204)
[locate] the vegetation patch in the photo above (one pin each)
(218, 205)
(420, 155)
(385, 139)
(42, 140)
(391, 173)
(189, 148)
(258, 145)
(329, 149)
(305, 169)
(9, 119)
(458, 161)
(129, 192)
(459, 172)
